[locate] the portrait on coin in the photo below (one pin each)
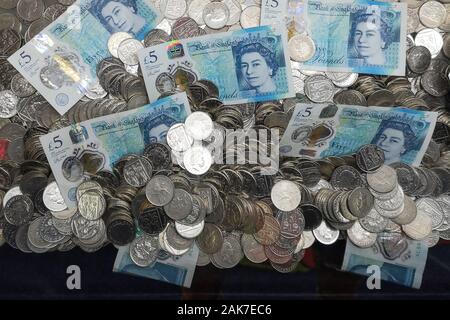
(257, 63)
(395, 138)
(371, 35)
(121, 16)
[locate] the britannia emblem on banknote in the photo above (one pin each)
(119, 16)
(257, 64)
(371, 35)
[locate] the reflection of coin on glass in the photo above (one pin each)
(165, 83)
(72, 169)
(92, 162)
(301, 134)
(51, 78)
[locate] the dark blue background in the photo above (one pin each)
(33, 276)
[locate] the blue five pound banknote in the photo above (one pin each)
(96, 144)
(176, 270)
(318, 131)
(401, 262)
(248, 65)
(349, 35)
(60, 62)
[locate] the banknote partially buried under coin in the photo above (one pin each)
(286, 195)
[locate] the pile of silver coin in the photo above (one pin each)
(174, 196)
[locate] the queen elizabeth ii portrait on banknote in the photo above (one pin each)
(395, 138)
(120, 16)
(370, 37)
(256, 65)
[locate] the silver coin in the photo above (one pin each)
(137, 172)
(408, 214)
(286, 195)
(18, 210)
(8, 4)
(383, 180)
(325, 234)
(197, 160)
(21, 87)
(419, 228)
(433, 209)
(8, 104)
(430, 39)
(48, 232)
(203, 259)
(230, 254)
(176, 240)
(14, 191)
(432, 239)
(373, 222)
(115, 40)
(360, 236)
(35, 238)
(235, 13)
(216, 14)
(250, 17)
(174, 9)
(195, 10)
(171, 250)
(53, 199)
(445, 205)
(22, 239)
(178, 138)
(144, 250)
(87, 186)
(301, 48)
(199, 124)
(10, 21)
(64, 214)
(319, 89)
(128, 50)
(64, 226)
(253, 250)
(92, 205)
(30, 10)
(189, 231)
(160, 190)
(180, 206)
(83, 228)
(432, 14)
